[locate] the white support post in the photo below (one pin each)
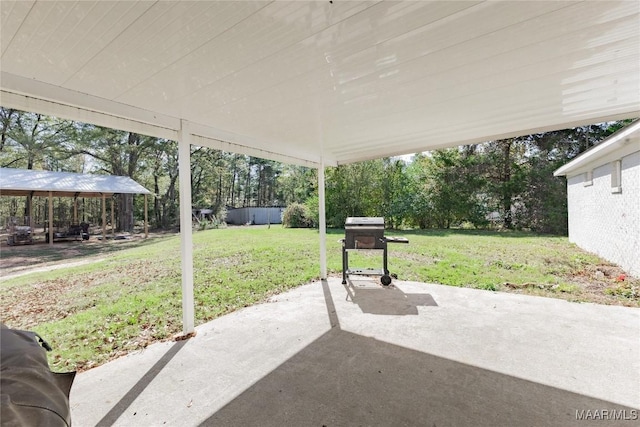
(322, 222)
(186, 238)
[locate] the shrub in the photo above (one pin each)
(297, 216)
(313, 210)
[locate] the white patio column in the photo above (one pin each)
(323, 222)
(186, 238)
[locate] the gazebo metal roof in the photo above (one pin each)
(24, 182)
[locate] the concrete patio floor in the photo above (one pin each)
(416, 354)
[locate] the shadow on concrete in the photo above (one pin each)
(331, 308)
(119, 408)
(344, 379)
(387, 300)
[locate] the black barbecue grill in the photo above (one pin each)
(366, 233)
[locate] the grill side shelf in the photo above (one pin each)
(391, 239)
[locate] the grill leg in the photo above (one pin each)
(384, 259)
(345, 264)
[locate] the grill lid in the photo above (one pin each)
(367, 221)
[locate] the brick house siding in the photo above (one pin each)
(603, 220)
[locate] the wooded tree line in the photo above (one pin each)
(219, 180)
(508, 183)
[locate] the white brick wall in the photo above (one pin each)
(606, 223)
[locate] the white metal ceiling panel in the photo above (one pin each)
(12, 15)
(334, 81)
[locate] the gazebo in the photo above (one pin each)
(29, 183)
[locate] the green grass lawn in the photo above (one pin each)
(131, 297)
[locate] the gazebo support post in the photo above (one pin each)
(146, 217)
(50, 218)
(186, 238)
(31, 222)
(75, 209)
(113, 220)
(104, 218)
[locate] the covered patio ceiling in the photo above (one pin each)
(324, 82)
(320, 83)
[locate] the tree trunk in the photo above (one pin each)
(125, 212)
(233, 180)
(247, 187)
(156, 200)
(169, 212)
(506, 185)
